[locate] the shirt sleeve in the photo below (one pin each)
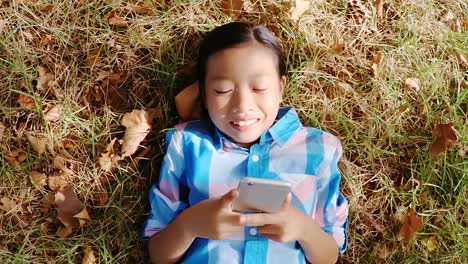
(166, 198)
(332, 208)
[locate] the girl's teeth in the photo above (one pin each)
(245, 123)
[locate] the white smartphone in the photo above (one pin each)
(260, 195)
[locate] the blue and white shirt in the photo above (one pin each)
(201, 163)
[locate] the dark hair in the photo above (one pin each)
(230, 35)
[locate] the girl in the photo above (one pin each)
(241, 77)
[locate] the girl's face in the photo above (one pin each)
(243, 91)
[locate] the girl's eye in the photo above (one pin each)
(222, 91)
(259, 89)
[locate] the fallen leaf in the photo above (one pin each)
(413, 84)
(299, 8)
(27, 35)
(442, 135)
(68, 208)
(15, 157)
(26, 101)
(53, 114)
(61, 163)
(37, 143)
(462, 60)
(234, 6)
(88, 257)
(38, 179)
(82, 217)
(376, 62)
(185, 102)
(57, 181)
(46, 9)
(431, 243)
(410, 225)
(93, 58)
(2, 130)
(45, 79)
(46, 40)
(7, 204)
(138, 125)
(115, 20)
(138, 8)
(108, 160)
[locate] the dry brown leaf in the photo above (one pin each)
(431, 243)
(62, 164)
(115, 20)
(46, 40)
(38, 179)
(7, 204)
(410, 225)
(442, 135)
(68, 207)
(15, 157)
(45, 79)
(93, 58)
(108, 160)
(53, 114)
(138, 8)
(138, 124)
(185, 102)
(57, 181)
(2, 130)
(37, 143)
(88, 257)
(27, 35)
(234, 6)
(64, 231)
(462, 60)
(413, 84)
(300, 7)
(26, 101)
(376, 62)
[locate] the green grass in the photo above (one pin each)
(385, 127)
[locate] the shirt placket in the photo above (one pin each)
(256, 245)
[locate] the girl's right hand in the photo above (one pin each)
(214, 218)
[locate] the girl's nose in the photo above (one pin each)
(242, 101)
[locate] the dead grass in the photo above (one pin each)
(385, 127)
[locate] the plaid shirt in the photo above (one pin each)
(200, 163)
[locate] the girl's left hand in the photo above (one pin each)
(286, 225)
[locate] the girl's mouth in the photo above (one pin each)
(244, 124)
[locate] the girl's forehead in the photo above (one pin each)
(253, 59)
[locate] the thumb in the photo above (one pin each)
(287, 200)
(228, 198)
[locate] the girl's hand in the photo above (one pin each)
(284, 226)
(214, 218)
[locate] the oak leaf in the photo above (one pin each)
(62, 164)
(107, 160)
(26, 101)
(53, 114)
(299, 8)
(138, 125)
(38, 179)
(88, 257)
(410, 225)
(15, 157)
(70, 211)
(37, 143)
(115, 20)
(442, 136)
(7, 204)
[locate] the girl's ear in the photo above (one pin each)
(282, 84)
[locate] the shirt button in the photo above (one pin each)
(255, 158)
(253, 231)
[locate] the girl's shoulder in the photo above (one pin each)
(193, 129)
(321, 137)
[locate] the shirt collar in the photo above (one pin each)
(286, 124)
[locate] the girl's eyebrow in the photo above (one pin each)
(226, 78)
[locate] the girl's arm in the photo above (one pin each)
(318, 246)
(170, 244)
(212, 219)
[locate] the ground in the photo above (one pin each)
(380, 75)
